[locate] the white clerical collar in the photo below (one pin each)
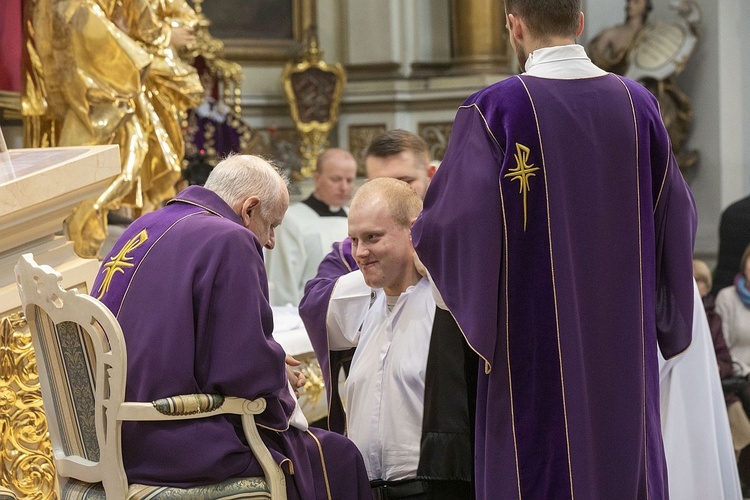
(562, 61)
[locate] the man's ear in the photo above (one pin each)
(431, 169)
(250, 206)
(580, 26)
(516, 27)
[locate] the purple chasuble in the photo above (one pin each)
(313, 309)
(559, 232)
(188, 286)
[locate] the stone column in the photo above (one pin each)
(480, 42)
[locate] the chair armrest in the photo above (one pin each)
(188, 407)
(200, 406)
(79, 467)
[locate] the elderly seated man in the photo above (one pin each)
(386, 311)
(188, 286)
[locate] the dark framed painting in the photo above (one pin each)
(259, 30)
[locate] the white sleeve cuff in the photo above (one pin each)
(350, 301)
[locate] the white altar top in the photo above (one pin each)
(289, 331)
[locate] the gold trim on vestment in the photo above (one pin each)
(119, 262)
(666, 169)
(181, 200)
(521, 173)
(122, 301)
(487, 364)
(322, 463)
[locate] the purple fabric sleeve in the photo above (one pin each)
(313, 310)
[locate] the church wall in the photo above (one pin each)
(404, 45)
(714, 79)
(699, 81)
(390, 35)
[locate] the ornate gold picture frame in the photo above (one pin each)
(259, 30)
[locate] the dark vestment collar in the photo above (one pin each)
(321, 208)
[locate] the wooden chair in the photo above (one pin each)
(6, 494)
(82, 363)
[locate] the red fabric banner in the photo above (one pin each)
(11, 42)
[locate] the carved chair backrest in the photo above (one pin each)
(81, 360)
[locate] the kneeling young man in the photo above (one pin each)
(386, 310)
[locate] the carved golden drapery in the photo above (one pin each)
(108, 73)
(480, 43)
(27, 465)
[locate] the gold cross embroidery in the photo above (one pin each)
(119, 262)
(521, 173)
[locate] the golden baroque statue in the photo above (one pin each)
(108, 72)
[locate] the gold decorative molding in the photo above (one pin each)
(436, 135)
(480, 43)
(28, 468)
(312, 399)
(268, 50)
(360, 137)
(314, 90)
(10, 106)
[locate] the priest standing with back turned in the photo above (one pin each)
(559, 232)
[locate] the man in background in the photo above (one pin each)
(310, 228)
(559, 233)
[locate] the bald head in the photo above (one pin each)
(379, 222)
(334, 177)
(400, 200)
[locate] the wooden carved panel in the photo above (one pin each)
(436, 135)
(360, 137)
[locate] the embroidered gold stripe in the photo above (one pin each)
(323, 463)
(146, 255)
(121, 261)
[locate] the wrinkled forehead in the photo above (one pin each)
(281, 203)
